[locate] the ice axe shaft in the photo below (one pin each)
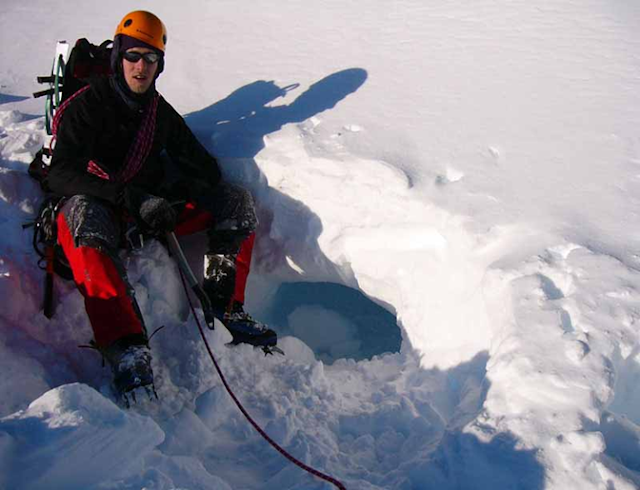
(195, 286)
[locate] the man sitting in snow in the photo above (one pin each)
(113, 141)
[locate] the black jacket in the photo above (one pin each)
(98, 125)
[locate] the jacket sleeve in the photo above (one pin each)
(77, 134)
(192, 159)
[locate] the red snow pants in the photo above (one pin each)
(89, 232)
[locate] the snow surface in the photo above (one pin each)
(471, 166)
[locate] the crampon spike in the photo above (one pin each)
(151, 390)
(269, 350)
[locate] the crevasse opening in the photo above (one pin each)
(335, 321)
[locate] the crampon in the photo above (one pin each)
(131, 367)
(245, 330)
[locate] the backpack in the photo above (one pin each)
(70, 72)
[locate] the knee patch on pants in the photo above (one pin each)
(86, 233)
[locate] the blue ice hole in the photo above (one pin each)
(335, 321)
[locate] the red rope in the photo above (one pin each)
(58, 115)
(273, 443)
(139, 150)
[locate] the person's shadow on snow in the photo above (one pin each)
(235, 126)
(233, 130)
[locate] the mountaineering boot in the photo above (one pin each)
(131, 366)
(244, 329)
(219, 284)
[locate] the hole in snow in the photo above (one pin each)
(335, 321)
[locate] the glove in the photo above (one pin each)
(150, 212)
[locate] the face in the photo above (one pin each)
(139, 75)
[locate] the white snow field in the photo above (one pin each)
(463, 177)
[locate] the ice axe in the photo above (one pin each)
(176, 250)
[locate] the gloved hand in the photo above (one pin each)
(152, 212)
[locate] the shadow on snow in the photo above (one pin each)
(7, 99)
(417, 439)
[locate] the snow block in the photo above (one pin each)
(73, 437)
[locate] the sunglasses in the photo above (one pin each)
(134, 57)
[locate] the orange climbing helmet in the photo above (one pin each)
(145, 27)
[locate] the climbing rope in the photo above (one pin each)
(277, 447)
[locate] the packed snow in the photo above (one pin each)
(448, 247)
